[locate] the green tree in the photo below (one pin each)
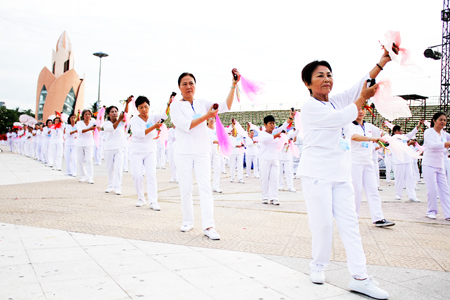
(9, 116)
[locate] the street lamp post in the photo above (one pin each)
(100, 55)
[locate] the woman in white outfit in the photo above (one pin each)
(113, 146)
(47, 134)
(237, 157)
(252, 155)
(70, 154)
(57, 143)
(325, 170)
(433, 166)
(192, 150)
(170, 145)
(85, 144)
(143, 152)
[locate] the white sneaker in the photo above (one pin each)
(317, 276)
(431, 215)
(118, 192)
(109, 190)
(414, 200)
(186, 228)
(293, 190)
(82, 180)
(246, 175)
(90, 181)
(367, 287)
(140, 203)
(241, 181)
(398, 197)
(265, 201)
(217, 191)
(155, 206)
(232, 180)
(212, 234)
(74, 175)
(274, 202)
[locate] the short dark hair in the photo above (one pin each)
(107, 111)
(140, 100)
(85, 111)
(268, 119)
(309, 69)
(436, 116)
(48, 120)
(396, 128)
(185, 74)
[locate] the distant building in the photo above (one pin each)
(60, 89)
(2, 104)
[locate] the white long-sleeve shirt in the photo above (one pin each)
(141, 142)
(114, 138)
(268, 145)
(435, 152)
(324, 155)
(195, 140)
(252, 147)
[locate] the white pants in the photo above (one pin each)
(125, 157)
(57, 152)
(270, 175)
(114, 162)
(222, 164)
(201, 165)
(50, 154)
(237, 161)
(160, 156)
(403, 176)
(71, 159)
(363, 177)
(215, 161)
(286, 168)
(447, 170)
(376, 171)
(436, 182)
(415, 169)
(173, 166)
(388, 163)
(324, 200)
(139, 162)
(34, 149)
(249, 159)
(98, 159)
(85, 164)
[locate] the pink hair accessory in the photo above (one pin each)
(389, 106)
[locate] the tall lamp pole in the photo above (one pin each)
(100, 55)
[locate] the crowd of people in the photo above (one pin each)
(334, 152)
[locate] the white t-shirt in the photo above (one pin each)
(435, 152)
(252, 147)
(268, 145)
(71, 139)
(141, 142)
(114, 138)
(57, 135)
(85, 139)
(195, 140)
(326, 154)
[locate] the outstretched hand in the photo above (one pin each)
(236, 72)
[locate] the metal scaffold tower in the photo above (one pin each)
(445, 60)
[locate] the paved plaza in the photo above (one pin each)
(61, 239)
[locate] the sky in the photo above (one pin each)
(150, 43)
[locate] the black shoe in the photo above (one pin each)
(384, 223)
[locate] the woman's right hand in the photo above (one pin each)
(211, 112)
(366, 93)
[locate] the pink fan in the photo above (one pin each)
(251, 88)
(240, 130)
(282, 141)
(427, 124)
(225, 145)
(101, 117)
(17, 124)
(294, 149)
(25, 118)
(421, 148)
(164, 135)
(400, 149)
(389, 106)
(64, 117)
(404, 55)
(389, 125)
(96, 137)
(254, 127)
